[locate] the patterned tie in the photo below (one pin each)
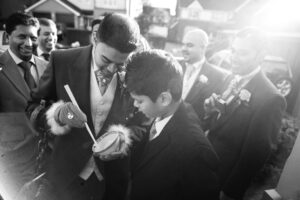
(103, 80)
(46, 56)
(152, 131)
(27, 74)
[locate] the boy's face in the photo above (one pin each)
(146, 105)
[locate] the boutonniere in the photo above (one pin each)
(203, 79)
(245, 96)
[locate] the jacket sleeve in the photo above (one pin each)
(261, 138)
(42, 97)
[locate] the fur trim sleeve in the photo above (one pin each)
(126, 140)
(55, 127)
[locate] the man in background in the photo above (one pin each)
(248, 116)
(20, 71)
(47, 38)
(201, 78)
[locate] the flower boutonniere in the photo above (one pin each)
(245, 96)
(203, 79)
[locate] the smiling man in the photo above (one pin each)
(47, 38)
(19, 74)
(246, 130)
(200, 78)
(91, 73)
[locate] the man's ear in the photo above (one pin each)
(165, 98)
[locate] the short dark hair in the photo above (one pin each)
(120, 32)
(20, 19)
(45, 22)
(152, 72)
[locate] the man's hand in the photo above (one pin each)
(214, 104)
(69, 114)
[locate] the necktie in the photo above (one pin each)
(27, 74)
(46, 56)
(103, 80)
(152, 131)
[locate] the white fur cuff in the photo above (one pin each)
(126, 133)
(55, 127)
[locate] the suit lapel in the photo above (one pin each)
(79, 76)
(199, 88)
(10, 70)
(40, 66)
(157, 145)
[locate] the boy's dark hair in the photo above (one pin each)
(45, 22)
(120, 32)
(20, 19)
(152, 72)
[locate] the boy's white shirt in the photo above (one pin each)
(160, 124)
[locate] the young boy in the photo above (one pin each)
(177, 161)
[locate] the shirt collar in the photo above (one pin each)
(17, 59)
(160, 124)
(198, 64)
(39, 51)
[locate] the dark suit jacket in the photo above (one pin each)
(73, 150)
(179, 164)
(200, 91)
(244, 135)
(18, 142)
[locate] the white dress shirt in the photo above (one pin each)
(191, 73)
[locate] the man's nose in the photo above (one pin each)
(135, 104)
(28, 41)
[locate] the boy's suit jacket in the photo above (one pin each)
(244, 135)
(18, 144)
(202, 90)
(179, 164)
(73, 150)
